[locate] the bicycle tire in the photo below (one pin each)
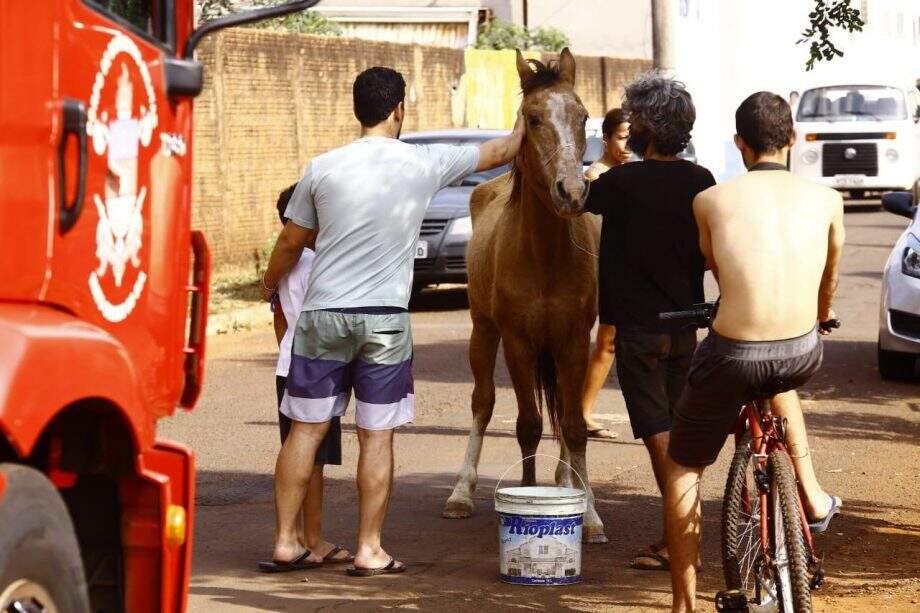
(785, 529)
(738, 531)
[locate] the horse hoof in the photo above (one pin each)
(594, 535)
(458, 509)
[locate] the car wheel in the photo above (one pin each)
(896, 366)
(40, 564)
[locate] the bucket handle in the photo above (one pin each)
(534, 455)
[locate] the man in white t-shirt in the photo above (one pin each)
(360, 207)
(286, 307)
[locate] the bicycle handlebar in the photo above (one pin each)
(701, 315)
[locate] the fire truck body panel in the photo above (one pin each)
(95, 265)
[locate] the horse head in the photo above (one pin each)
(554, 142)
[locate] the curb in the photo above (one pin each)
(241, 319)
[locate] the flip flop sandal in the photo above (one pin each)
(330, 558)
(663, 563)
(298, 563)
(821, 525)
(389, 569)
(601, 433)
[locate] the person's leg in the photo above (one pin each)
(329, 452)
(815, 500)
(292, 475)
(682, 523)
(657, 447)
(313, 511)
(598, 369)
(375, 481)
(642, 370)
(384, 401)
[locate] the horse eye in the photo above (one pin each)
(534, 120)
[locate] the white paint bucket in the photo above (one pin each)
(539, 534)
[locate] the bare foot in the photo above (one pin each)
(818, 508)
(369, 558)
(285, 552)
(322, 549)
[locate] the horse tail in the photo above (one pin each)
(547, 387)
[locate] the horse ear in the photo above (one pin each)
(523, 68)
(567, 66)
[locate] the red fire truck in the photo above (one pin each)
(103, 300)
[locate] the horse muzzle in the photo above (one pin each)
(569, 196)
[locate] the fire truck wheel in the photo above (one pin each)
(40, 564)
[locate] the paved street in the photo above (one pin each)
(864, 435)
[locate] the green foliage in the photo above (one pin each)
(497, 34)
(303, 22)
(827, 15)
(212, 9)
(548, 39)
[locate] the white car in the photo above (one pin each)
(899, 317)
(861, 139)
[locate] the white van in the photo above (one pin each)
(860, 139)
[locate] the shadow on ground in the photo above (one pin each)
(453, 563)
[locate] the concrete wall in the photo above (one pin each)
(273, 100)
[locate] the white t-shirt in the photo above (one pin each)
(291, 291)
(368, 200)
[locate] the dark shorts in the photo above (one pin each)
(330, 450)
(652, 369)
(725, 375)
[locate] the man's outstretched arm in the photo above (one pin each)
(835, 238)
(288, 249)
(500, 151)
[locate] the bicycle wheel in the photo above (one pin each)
(741, 544)
(789, 565)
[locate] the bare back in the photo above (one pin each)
(770, 238)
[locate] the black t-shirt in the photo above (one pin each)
(650, 259)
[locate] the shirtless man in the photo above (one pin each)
(774, 243)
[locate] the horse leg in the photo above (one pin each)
(572, 365)
(521, 362)
(563, 470)
(483, 349)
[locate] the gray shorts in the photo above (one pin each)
(726, 374)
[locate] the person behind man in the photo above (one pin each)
(615, 130)
(362, 206)
(773, 241)
(650, 262)
(291, 291)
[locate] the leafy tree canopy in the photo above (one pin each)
(497, 34)
(827, 15)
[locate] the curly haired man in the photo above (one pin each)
(650, 262)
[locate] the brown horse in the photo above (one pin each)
(533, 284)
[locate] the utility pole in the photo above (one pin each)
(663, 24)
(524, 12)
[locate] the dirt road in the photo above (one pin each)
(864, 435)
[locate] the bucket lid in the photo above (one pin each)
(535, 495)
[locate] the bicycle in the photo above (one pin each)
(768, 556)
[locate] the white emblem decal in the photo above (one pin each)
(119, 234)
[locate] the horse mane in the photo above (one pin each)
(544, 75)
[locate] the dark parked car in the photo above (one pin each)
(440, 256)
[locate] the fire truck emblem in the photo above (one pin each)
(119, 233)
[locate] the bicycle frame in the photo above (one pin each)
(767, 436)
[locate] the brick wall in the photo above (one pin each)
(274, 100)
